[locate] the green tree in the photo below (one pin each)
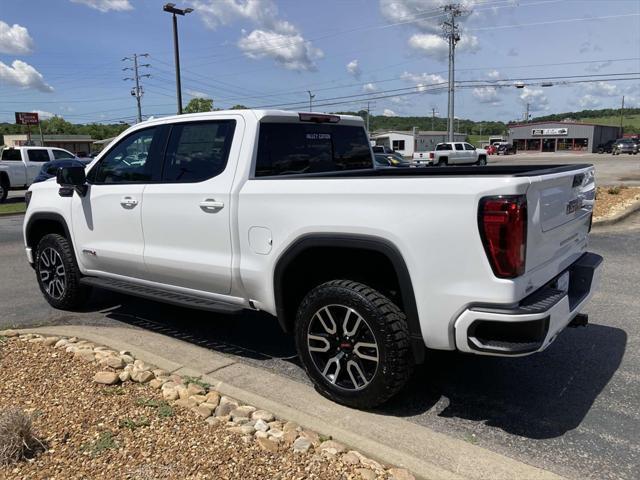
(239, 107)
(197, 104)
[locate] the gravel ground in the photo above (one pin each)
(609, 203)
(97, 431)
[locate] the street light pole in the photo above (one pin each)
(311, 97)
(171, 8)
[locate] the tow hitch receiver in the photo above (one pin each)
(580, 320)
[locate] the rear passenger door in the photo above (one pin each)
(35, 158)
(458, 154)
(187, 215)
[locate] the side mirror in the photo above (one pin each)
(70, 179)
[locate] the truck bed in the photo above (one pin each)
(471, 170)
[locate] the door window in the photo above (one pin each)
(60, 154)
(197, 151)
(130, 161)
(459, 146)
(443, 146)
(469, 147)
(38, 155)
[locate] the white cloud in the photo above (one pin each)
(389, 113)
(535, 97)
(588, 101)
(425, 82)
(274, 38)
(292, 51)
(603, 89)
(493, 74)
(107, 5)
(433, 45)
(596, 67)
(487, 95)
(15, 39)
(354, 68)
(418, 13)
(42, 115)
(369, 88)
(197, 94)
(23, 75)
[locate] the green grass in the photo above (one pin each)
(12, 208)
(196, 381)
(132, 424)
(614, 120)
(163, 409)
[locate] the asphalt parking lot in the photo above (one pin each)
(573, 409)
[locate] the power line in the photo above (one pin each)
(137, 91)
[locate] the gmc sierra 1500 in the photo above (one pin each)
(283, 212)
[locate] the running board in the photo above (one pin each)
(160, 295)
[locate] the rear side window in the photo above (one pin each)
(290, 148)
(443, 146)
(11, 155)
(459, 146)
(469, 147)
(38, 155)
(197, 151)
(60, 154)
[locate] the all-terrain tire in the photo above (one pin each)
(4, 190)
(55, 262)
(383, 320)
(482, 161)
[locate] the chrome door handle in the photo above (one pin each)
(211, 204)
(128, 202)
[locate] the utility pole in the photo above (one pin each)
(452, 35)
(526, 114)
(433, 118)
(368, 114)
(311, 97)
(171, 8)
(137, 91)
(621, 116)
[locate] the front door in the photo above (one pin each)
(107, 224)
(35, 158)
(187, 216)
(549, 145)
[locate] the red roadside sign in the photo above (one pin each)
(27, 118)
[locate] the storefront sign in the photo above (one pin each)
(26, 118)
(549, 131)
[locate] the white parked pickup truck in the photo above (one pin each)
(452, 153)
(19, 166)
(283, 212)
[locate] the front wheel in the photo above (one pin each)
(354, 343)
(4, 190)
(58, 273)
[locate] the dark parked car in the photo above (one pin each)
(605, 147)
(50, 169)
(625, 145)
(382, 149)
(506, 149)
(387, 160)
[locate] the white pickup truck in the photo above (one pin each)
(451, 153)
(283, 212)
(19, 166)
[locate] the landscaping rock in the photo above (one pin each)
(195, 389)
(367, 462)
(290, 436)
(106, 378)
(244, 411)
(267, 444)
(301, 445)
(400, 474)
(113, 362)
(291, 426)
(213, 421)
(276, 433)
(156, 383)
(203, 411)
(350, 459)
(128, 359)
(141, 376)
(260, 434)
(331, 447)
(47, 342)
(261, 426)
(213, 398)
(312, 436)
(182, 391)
(199, 398)
(365, 474)
(125, 376)
(263, 415)
(186, 403)
(170, 394)
(225, 408)
(8, 333)
(63, 342)
(85, 354)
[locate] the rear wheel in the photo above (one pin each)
(354, 343)
(58, 273)
(4, 189)
(482, 161)
(443, 162)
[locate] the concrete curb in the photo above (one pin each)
(390, 440)
(631, 209)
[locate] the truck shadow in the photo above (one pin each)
(540, 396)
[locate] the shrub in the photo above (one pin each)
(614, 191)
(17, 440)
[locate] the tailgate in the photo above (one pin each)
(560, 206)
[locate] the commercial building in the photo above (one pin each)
(561, 136)
(408, 142)
(73, 143)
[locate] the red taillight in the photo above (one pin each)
(431, 155)
(503, 228)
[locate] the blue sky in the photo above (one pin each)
(64, 56)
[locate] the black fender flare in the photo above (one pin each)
(355, 241)
(55, 217)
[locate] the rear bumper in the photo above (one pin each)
(532, 324)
